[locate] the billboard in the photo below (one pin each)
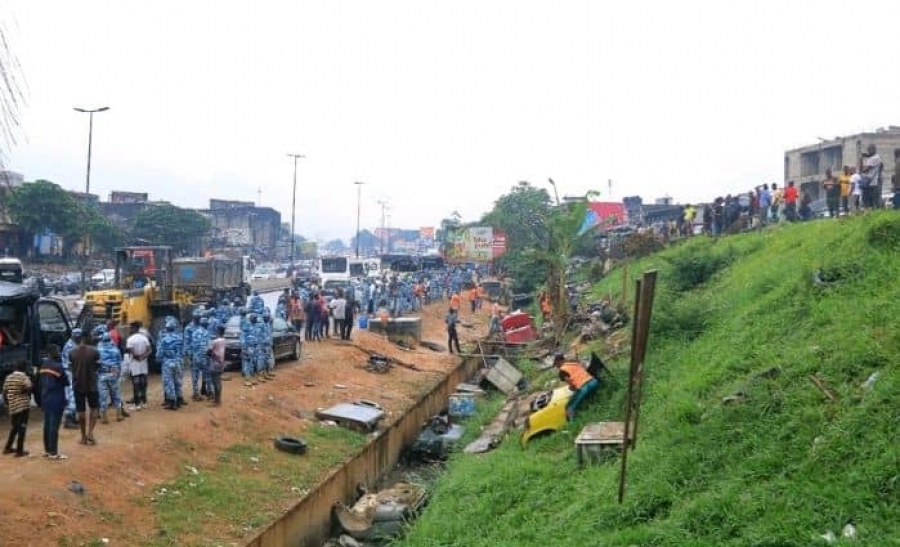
(604, 215)
(474, 243)
(499, 243)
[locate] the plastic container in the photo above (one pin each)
(363, 321)
(462, 405)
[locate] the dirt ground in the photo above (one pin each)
(150, 448)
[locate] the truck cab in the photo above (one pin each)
(11, 270)
(29, 323)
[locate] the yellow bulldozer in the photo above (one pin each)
(143, 290)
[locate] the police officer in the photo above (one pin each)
(249, 344)
(199, 359)
(71, 421)
(256, 303)
(258, 327)
(108, 376)
(265, 347)
(169, 351)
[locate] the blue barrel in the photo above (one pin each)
(364, 321)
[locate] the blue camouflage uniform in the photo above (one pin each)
(199, 343)
(110, 370)
(67, 366)
(255, 342)
(267, 361)
(248, 345)
(256, 303)
(169, 352)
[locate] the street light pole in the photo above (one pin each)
(87, 185)
(294, 206)
(381, 239)
(358, 209)
(555, 193)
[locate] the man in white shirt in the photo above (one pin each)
(137, 351)
(338, 311)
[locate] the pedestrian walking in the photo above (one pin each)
(53, 383)
(17, 394)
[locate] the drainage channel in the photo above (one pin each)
(309, 522)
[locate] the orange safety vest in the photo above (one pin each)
(577, 375)
(454, 301)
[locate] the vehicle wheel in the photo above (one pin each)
(296, 354)
(290, 445)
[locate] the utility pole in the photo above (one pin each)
(381, 239)
(294, 206)
(359, 186)
(87, 187)
(555, 193)
(259, 197)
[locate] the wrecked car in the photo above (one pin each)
(381, 515)
(547, 413)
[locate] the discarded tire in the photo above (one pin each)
(290, 445)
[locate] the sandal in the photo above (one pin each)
(83, 440)
(58, 457)
(91, 441)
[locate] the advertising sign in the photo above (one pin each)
(499, 243)
(474, 243)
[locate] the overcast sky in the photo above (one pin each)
(441, 106)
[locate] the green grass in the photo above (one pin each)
(250, 487)
(780, 468)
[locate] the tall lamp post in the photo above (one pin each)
(294, 206)
(87, 185)
(383, 204)
(359, 186)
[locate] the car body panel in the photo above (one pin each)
(284, 340)
(550, 417)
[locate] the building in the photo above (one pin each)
(128, 197)
(806, 165)
(239, 224)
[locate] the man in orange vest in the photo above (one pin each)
(580, 381)
(455, 301)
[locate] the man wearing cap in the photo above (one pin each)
(108, 379)
(70, 421)
(169, 353)
(579, 380)
(199, 343)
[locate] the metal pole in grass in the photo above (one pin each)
(645, 289)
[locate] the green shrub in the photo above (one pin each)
(884, 233)
(695, 265)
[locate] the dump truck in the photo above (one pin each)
(211, 279)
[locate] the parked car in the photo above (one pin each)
(103, 279)
(263, 271)
(69, 283)
(285, 341)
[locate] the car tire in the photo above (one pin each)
(290, 445)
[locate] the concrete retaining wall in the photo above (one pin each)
(309, 522)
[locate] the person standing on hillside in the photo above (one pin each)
(451, 320)
(845, 188)
(870, 170)
(110, 371)
(579, 380)
(832, 193)
(777, 200)
(791, 195)
(17, 394)
(764, 205)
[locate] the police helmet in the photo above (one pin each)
(77, 333)
(196, 313)
(171, 323)
(98, 332)
(204, 321)
(252, 317)
(244, 311)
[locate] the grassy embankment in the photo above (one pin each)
(779, 468)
